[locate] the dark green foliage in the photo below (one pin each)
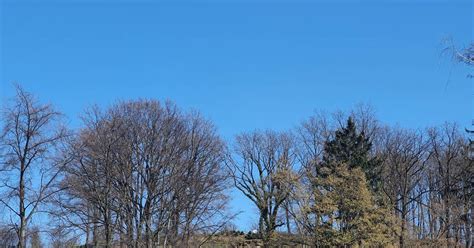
(346, 210)
(251, 235)
(353, 149)
(231, 233)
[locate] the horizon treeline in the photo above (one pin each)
(145, 173)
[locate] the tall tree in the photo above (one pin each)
(263, 172)
(348, 215)
(405, 157)
(342, 207)
(147, 173)
(31, 139)
(453, 183)
(352, 148)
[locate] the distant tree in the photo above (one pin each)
(340, 209)
(60, 239)
(405, 158)
(8, 237)
(147, 172)
(35, 238)
(327, 141)
(352, 148)
(30, 141)
(263, 172)
(348, 215)
(452, 184)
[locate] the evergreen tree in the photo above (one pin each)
(353, 149)
(348, 214)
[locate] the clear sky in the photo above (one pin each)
(244, 64)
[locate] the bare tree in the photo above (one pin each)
(35, 238)
(147, 173)
(452, 184)
(311, 136)
(8, 237)
(263, 172)
(31, 139)
(404, 163)
(88, 180)
(59, 238)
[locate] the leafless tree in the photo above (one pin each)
(452, 184)
(88, 181)
(404, 163)
(263, 171)
(146, 172)
(8, 237)
(311, 136)
(59, 238)
(35, 238)
(31, 140)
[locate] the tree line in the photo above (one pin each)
(142, 173)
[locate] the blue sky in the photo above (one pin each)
(245, 65)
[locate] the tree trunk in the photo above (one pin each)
(403, 224)
(22, 210)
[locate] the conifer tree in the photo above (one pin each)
(352, 148)
(347, 213)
